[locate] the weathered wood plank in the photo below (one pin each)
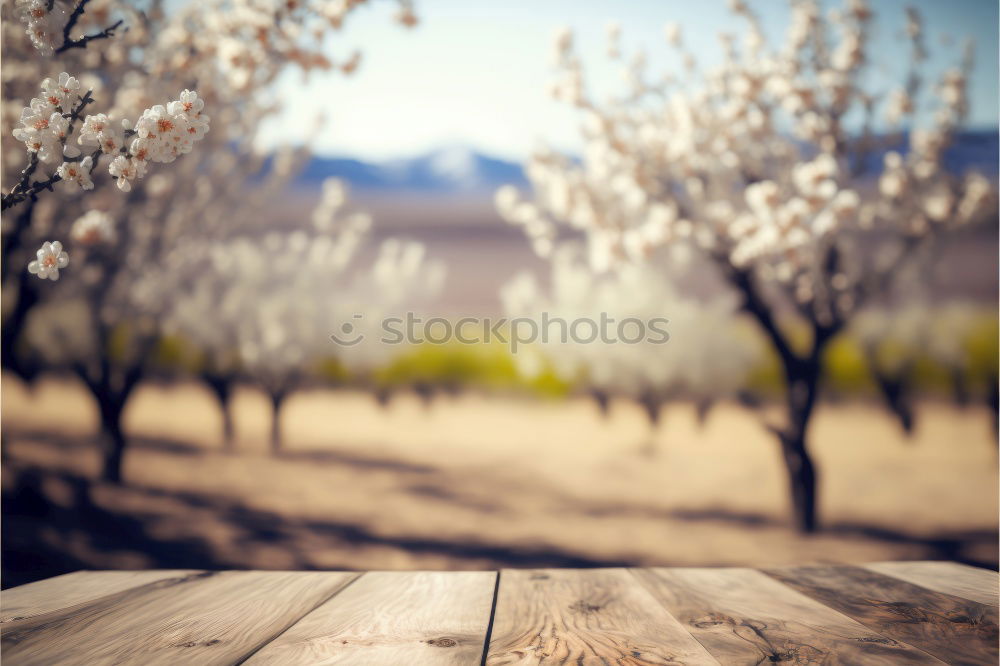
(956, 630)
(204, 618)
(744, 617)
(597, 616)
(973, 583)
(45, 596)
(393, 617)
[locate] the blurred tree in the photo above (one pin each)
(753, 165)
(232, 52)
(263, 309)
(609, 334)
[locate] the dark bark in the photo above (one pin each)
(13, 325)
(702, 408)
(277, 399)
(424, 391)
(112, 438)
(603, 401)
(651, 404)
(896, 393)
(383, 396)
(803, 382)
(26, 298)
(111, 388)
(993, 400)
(802, 378)
(221, 388)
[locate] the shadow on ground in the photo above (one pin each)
(39, 532)
(56, 522)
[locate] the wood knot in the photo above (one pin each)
(442, 642)
(582, 606)
(214, 641)
(876, 639)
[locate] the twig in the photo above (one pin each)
(25, 189)
(81, 43)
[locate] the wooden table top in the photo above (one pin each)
(884, 613)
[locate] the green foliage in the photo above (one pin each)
(331, 370)
(982, 351)
(453, 365)
(846, 367)
(492, 367)
(174, 352)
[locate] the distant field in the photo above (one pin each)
(473, 482)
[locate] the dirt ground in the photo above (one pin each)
(475, 481)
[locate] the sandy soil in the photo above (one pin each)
(477, 481)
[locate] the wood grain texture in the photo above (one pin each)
(433, 618)
(956, 630)
(961, 580)
(596, 616)
(203, 618)
(744, 617)
(70, 589)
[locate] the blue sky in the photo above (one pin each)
(476, 72)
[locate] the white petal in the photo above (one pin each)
(33, 267)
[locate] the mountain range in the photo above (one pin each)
(451, 169)
(460, 169)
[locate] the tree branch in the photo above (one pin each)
(755, 305)
(25, 189)
(81, 43)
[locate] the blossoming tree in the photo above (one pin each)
(755, 164)
(646, 342)
(130, 60)
(263, 308)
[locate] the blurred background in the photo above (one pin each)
(175, 400)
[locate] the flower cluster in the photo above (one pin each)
(45, 122)
(48, 24)
(161, 134)
(44, 22)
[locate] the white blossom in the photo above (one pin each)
(76, 175)
(48, 260)
(126, 170)
(93, 228)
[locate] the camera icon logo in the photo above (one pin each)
(348, 336)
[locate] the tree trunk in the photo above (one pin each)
(802, 478)
(896, 392)
(651, 405)
(24, 300)
(993, 400)
(801, 482)
(276, 401)
(222, 390)
(112, 436)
